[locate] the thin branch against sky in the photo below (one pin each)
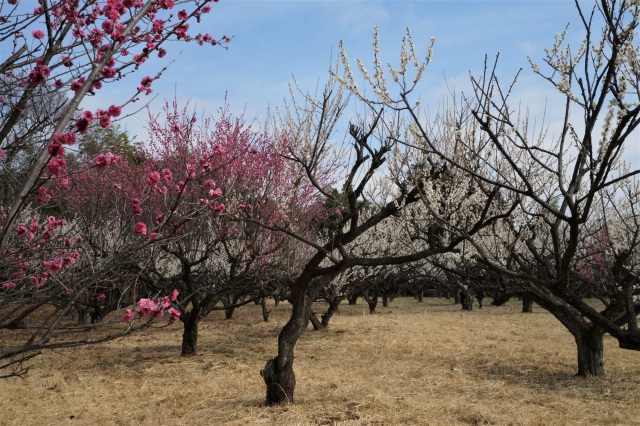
(273, 40)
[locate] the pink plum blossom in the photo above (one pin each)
(68, 138)
(140, 228)
(153, 179)
(55, 149)
(115, 111)
(128, 315)
(104, 160)
(82, 125)
(135, 206)
(43, 197)
(147, 307)
(166, 175)
(175, 314)
(56, 166)
(215, 192)
(33, 226)
(77, 85)
(39, 74)
(105, 121)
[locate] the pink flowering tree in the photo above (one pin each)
(139, 217)
(173, 218)
(240, 258)
(60, 269)
(75, 49)
(52, 56)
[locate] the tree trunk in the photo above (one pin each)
(278, 372)
(265, 312)
(588, 337)
(500, 299)
(527, 305)
(96, 315)
(372, 302)
(352, 299)
(82, 316)
(420, 296)
(317, 325)
(385, 300)
(190, 333)
(229, 303)
(228, 312)
(590, 352)
(333, 308)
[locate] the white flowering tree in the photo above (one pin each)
(553, 181)
(307, 124)
(605, 266)
(386, 239)
(562, 179)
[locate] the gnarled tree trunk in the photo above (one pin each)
(590, 351)
(190, 332)
(527, 305)
(315, 322)
(588, 337)
(333, 308)
(278, 372)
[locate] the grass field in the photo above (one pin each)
(410, 364)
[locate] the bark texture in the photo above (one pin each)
(590, 352)
(277, 373)
(190, 333)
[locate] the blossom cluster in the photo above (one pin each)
(147, 307)
(42, 252)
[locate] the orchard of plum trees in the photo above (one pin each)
(101, 235)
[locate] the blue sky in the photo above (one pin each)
(275, 39)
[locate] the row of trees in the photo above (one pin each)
(538, 214)
(210, 214)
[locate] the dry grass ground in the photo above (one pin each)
(409, 364)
